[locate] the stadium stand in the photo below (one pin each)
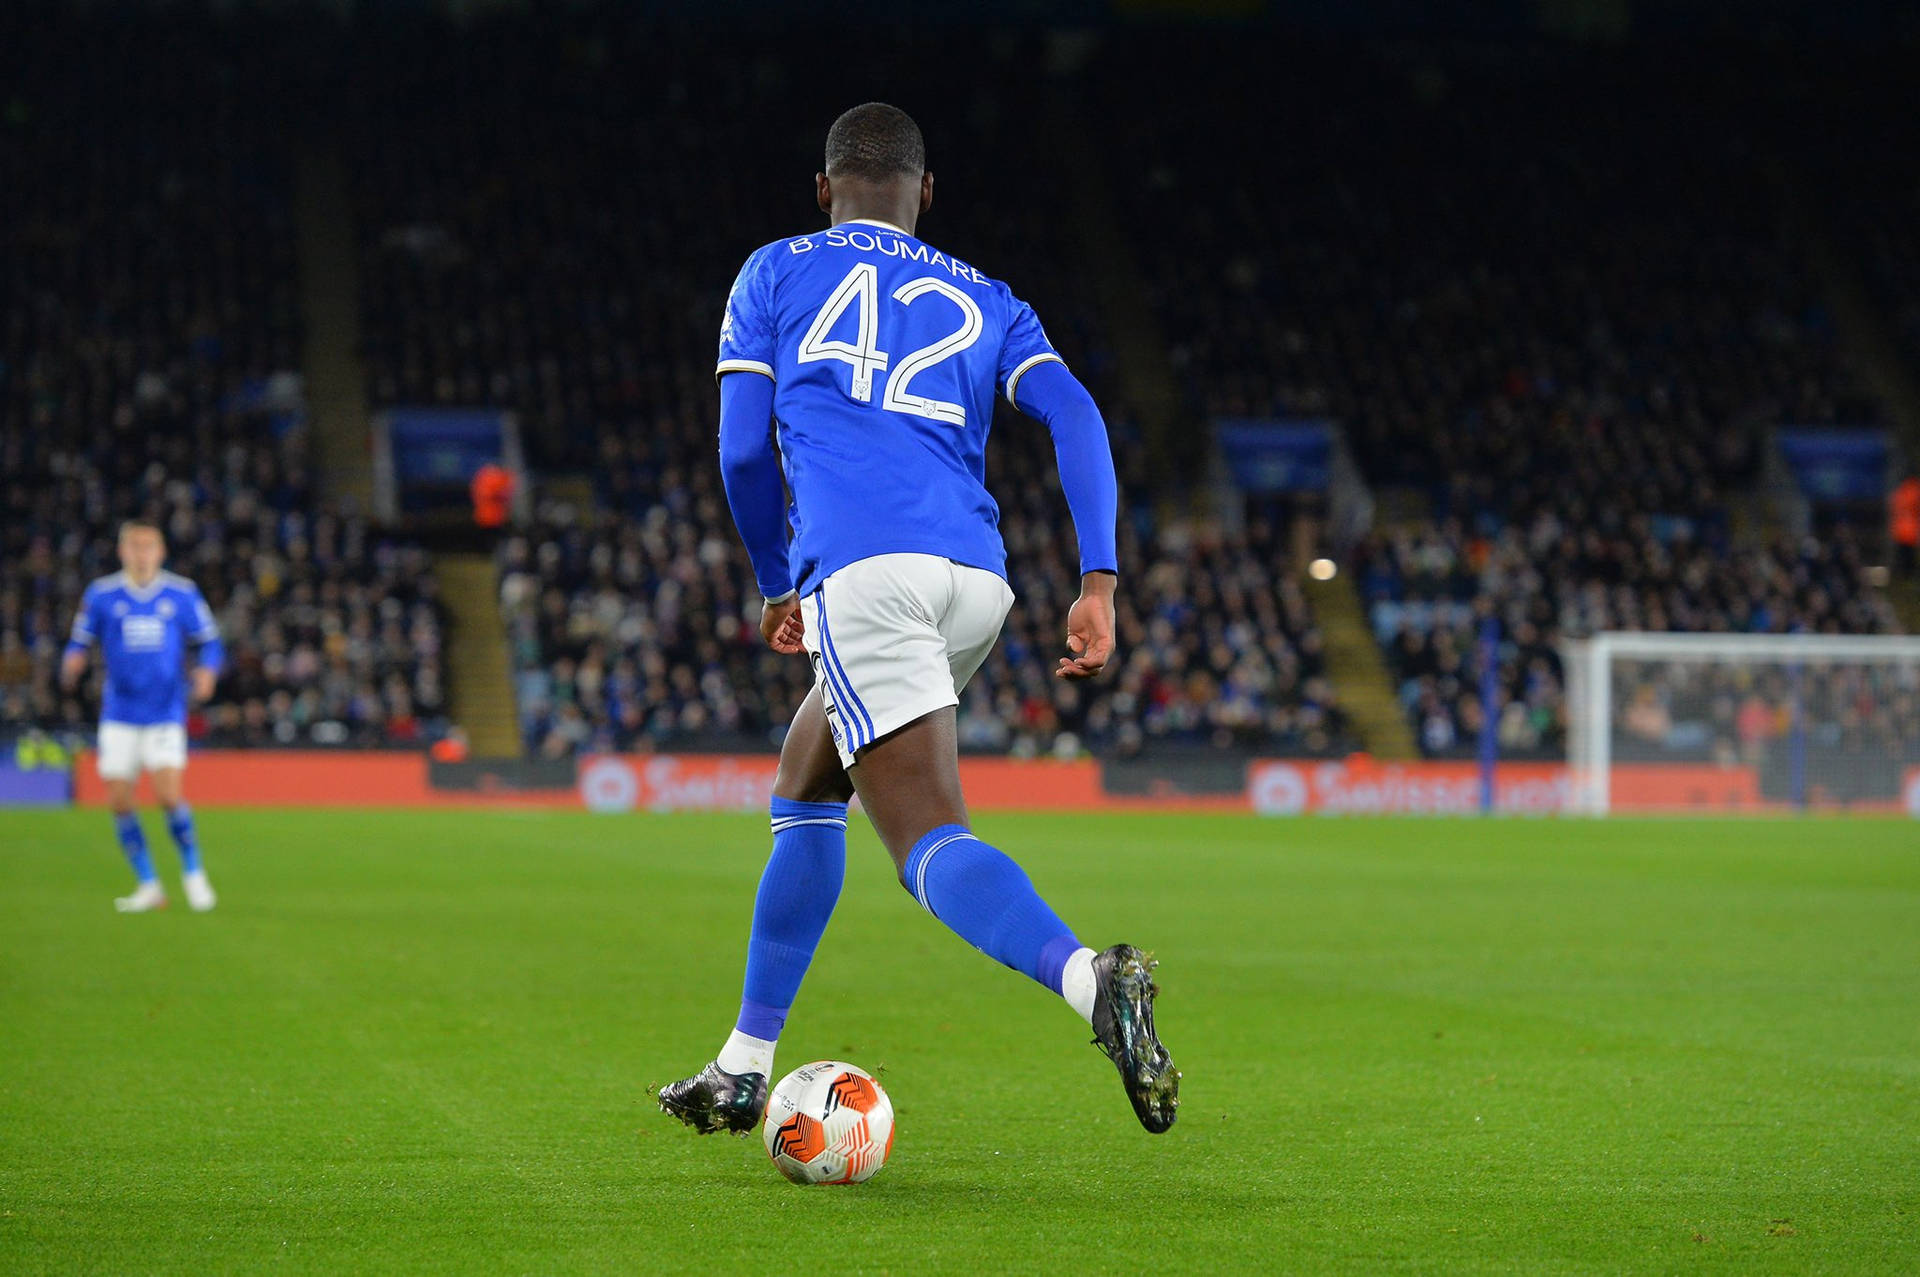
(630, 634)
(542, 279)
(1429, 588)
(149, 367)
(1576, 379)
(1569, 357)
(1872, 207)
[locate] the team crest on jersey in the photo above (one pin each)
(143, 633)
(164, 607)
(120, 608)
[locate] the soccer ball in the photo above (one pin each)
(828, 1123)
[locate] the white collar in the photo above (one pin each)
(874, 221)
(147, 591)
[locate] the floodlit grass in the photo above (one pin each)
(423, 1041)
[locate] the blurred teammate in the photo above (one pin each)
(144, 620)
(858, 366)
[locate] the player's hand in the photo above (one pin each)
(1089, 628)
(203, 681)
(72, 666)
(781, 626)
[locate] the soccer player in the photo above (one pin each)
(144, 620)
(859, 365)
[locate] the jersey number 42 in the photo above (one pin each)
(861, 289)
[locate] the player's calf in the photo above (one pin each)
(797, 894)
(984, 896)
(133, 844)
(193, 878)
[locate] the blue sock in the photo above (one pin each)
(990, 902)
(180, 824)
(133, 841)
(798, 890)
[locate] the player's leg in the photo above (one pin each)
(908, 774)
(168, 791)
(119, 767)
(169, 778)
(799, 887)
(909, 786)
(798, 890)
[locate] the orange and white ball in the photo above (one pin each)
(828, 1123)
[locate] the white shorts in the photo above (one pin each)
(895, 637)
(128, 748)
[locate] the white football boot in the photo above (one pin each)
(145, 898)
(200, 897)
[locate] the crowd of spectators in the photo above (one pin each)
(149, 341)
(550, 219)
(1217, 646)
(1430, 588)
(641, 634)
(1472, 284)
(1568, 340)
(1577, 379)
(1854, 726)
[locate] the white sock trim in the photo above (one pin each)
(920, 878)
(1076, 983)
(745, 1054)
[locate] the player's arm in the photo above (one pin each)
(73, 661)
(1054, 396)
(749, 465)
(756, 494)
(210, 656)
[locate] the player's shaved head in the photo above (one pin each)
(876, 168)
(130, 526)
(876, 142)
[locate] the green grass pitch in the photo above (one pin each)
(422, 1041)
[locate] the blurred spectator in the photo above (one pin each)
(1903, 525)
(492, 490)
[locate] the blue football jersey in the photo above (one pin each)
(144, 635)
(885, 355)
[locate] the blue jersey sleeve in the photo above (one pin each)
(204, 631)
(85, 628)
(750, 474)
(747, 331)
(1085, 457)
(1026, 347)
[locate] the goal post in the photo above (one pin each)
(1743, 722)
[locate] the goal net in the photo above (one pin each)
(1743, 722)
